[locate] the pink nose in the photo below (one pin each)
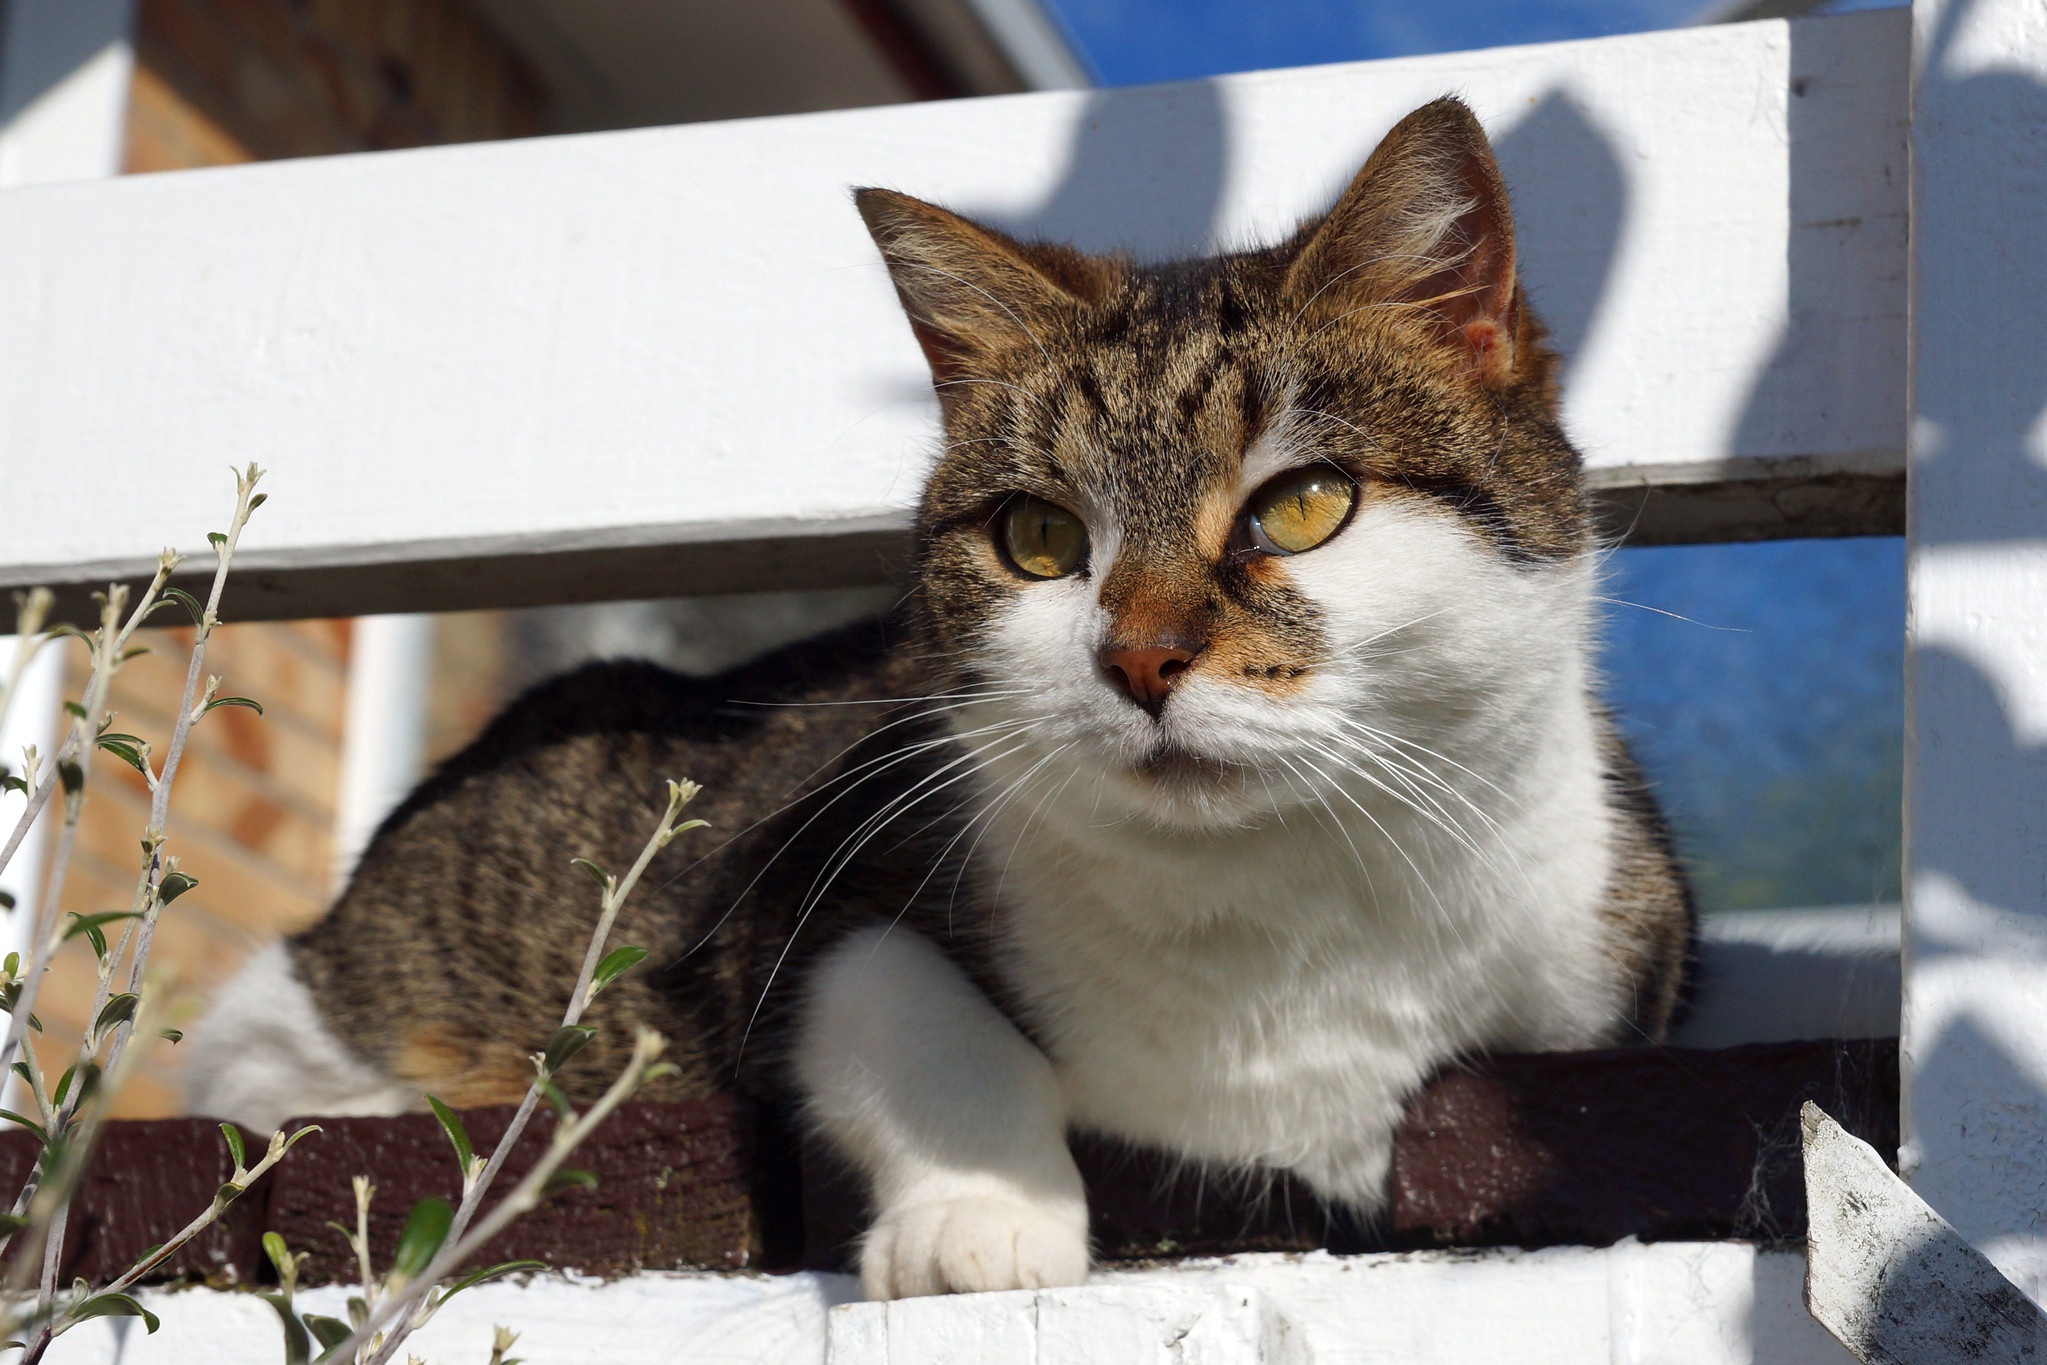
(1146, 673)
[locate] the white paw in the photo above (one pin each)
(973, 1243)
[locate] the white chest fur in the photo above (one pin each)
(1270, 996)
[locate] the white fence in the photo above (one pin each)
(667, 361)
(643, 363)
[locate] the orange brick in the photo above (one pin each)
(164, 131)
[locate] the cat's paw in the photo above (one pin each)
(973, 1243)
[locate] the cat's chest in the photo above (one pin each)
(1290, 1003)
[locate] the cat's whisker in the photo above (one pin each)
(1422, 879)
(887, 761)
(1407, 770)
(1371, 640)
(1497, 845)
(1435, 815)
(951, 694)
(839, 859)
(859, 839)
(986, 816)
(1023, 834)
(1388, 737)
(1336, 822)
(852, 776)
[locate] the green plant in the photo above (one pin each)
(68, 1114)
(439, 1238)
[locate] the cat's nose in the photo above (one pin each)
(1146, 673)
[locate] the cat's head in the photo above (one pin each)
(1235, 534)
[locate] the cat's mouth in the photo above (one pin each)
(1175, 768)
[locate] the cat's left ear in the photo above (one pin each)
(1423, 226)
(970, 292)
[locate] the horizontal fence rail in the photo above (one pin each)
(668, 361)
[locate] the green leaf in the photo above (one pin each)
(12, 964)
(568, 1177)
(615, 964)
(234, 1145)
(568, 1040)
(118, 1010)
(173, 885)
(451, 1124)
(476, 1277)
(293, 1140)
(597, 873)
(279, 1254)
(11, 783)
(171, 1035)
(330, 1331)
(75, 709)
(251, 704)
(358, 1311)
(258, 501)
(72, 776)
(217, 540)
(127, 753)
(27, 1123)
(188, 602)
(114, 1306)
(6, 900)
(426, 1227)
(11, 1223)
(87, 1075)
(554, 1096)
(298, 1347)
(63, 1085)
(89, 925)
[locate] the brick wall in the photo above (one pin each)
(219, 82)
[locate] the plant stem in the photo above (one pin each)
(461, 1243)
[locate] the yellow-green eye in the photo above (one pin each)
(1041, 539)
(1300, 509)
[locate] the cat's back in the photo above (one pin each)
(453, 949)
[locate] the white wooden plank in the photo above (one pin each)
(1892, 1279)
(577, 354)
(1672, 1303)
(1975, 1012)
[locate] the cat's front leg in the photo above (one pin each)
(956, 1120)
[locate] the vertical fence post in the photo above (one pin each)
(1975, 1016)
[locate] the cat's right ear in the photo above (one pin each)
(970, 292)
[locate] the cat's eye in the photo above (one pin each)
(1041, 539)
(1300, 509)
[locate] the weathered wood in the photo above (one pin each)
(667, 361)
(1975, 1017)
(676, 1189)
(1533, 1149)
(1890, 1278)
(147, 1180)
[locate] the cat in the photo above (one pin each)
(1233, 765)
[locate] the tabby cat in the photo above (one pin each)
(1233, 765)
